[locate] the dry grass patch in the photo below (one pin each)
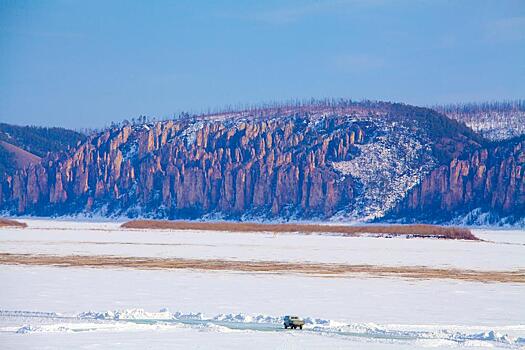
(311, 269)
(11, 223)
(398, 230)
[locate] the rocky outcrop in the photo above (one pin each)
(293, 163)
(275, 167)
(489, 178)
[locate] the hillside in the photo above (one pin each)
(20, 158)
(493, 120)
(483, 186)
(345, 161)
(21, 146)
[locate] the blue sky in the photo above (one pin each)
(85, 64)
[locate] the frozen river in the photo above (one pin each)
(107, 308)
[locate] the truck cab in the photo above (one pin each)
(293, 322)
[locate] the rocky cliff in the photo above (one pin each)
(483, 185)
(349, 161)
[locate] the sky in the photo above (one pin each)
(84, 64)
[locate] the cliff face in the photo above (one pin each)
(342, 163)
(489, 178)
(190, 168)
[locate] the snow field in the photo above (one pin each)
(71, 238)
(43, 307)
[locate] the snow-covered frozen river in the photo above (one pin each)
(505, 251)
(228, 309)
(56, 307)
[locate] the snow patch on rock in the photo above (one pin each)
(387, 167)
(494, 125)
(190, 133)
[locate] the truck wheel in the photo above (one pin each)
(285, 327)
(300, 327)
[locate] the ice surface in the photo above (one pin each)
(262, 323)
(108, 239)
(65, 308)
(516, 237)
(71, 291)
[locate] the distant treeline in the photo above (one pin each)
(336, 104)
(494, 106)
(297, 105)
(268, 109)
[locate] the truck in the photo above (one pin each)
(293, 322)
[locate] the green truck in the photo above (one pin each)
(293, 322)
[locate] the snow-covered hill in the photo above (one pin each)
(496, 121)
